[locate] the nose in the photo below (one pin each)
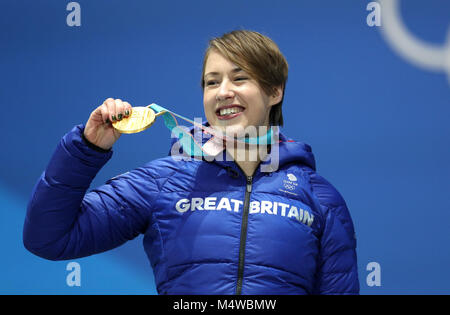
(225, 91)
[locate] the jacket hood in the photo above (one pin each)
(295, 151)
(289, 151)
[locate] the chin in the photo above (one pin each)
(240, 131)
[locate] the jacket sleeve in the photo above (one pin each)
(337, 271)
(63, 222)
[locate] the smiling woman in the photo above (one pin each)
(243, 79)
(232, 97)
(242, 68)
(220, 226)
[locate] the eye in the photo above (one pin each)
(211, 82)
(240, 79)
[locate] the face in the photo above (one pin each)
(232, 99)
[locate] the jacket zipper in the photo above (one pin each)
(243, 235)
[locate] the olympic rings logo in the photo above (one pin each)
(290, 187)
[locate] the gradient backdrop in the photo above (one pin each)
(378, 125)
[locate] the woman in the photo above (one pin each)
(222, 226)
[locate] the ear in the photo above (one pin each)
(276, 96)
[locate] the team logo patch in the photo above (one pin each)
(290, 184)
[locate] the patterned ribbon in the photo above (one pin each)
(214, 145)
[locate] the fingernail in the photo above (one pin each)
(120, 116)
(127, 112)
(114, 117)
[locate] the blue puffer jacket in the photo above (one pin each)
(208, 229)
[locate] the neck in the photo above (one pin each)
(248, 157)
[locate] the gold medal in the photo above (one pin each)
(140, 119)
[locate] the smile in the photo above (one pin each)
(229, 112)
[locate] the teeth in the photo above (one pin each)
(228, 111)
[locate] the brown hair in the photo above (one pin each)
(257, 55)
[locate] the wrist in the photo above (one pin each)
(93, 146)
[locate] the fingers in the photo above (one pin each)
(115, 110)
(127, 109)
(105, 114)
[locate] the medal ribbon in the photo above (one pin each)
(214, 145)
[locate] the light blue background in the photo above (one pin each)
(379, 126)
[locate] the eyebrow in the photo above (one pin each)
(235, 70)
